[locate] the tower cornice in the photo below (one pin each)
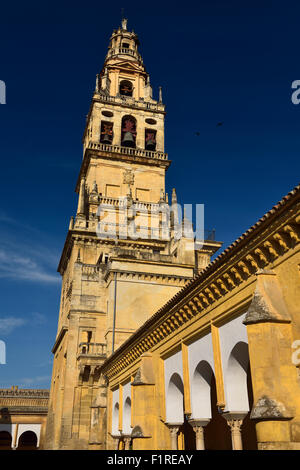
(76, 235)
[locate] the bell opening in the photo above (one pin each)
(128, 132)
(106, 135)
(126, 88)
(150, 139)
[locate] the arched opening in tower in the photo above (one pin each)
(128, 138)
(126, 87)
(150, 139)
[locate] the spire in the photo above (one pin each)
(160, 95)
(174, 196)
(97, 86)
(81, 199)
(174, 208)
(187, 226)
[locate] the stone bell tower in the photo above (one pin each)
(122, 259)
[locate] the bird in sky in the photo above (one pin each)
(220, 123)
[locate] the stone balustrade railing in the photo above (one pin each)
(121, 201)
(135, 152)
(92, 349)
(136, 103)
(123, 50)
(90, 269)
(142, 255)
(24, 393)
(23, 401)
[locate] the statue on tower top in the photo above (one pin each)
(124, 23)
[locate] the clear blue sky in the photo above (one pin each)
(228, 61)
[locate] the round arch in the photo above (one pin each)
(27, 440)
(126, 88)
(236, 378)
(174, 400)
(128, 131)
(115, 419)
(127, 417)
(201, 391)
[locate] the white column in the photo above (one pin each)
(174, 428)
(14, 439)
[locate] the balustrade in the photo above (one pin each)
(92, 349)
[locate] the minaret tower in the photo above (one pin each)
(120, 262)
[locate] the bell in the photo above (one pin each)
(150, 145)
(128, 140)
(106, 139)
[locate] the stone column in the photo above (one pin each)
(127, 440)
(235, 421)
(174, 428)
(198, 427)
(14, 442)
(117, 442)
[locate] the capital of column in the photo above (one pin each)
(174, 428)
(235, 421)
(199, 423)
(198, 427)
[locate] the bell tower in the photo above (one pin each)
(126, 124)
(121, 260)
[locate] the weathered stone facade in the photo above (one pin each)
(157, 347)
(217, 367)
(122, 257)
